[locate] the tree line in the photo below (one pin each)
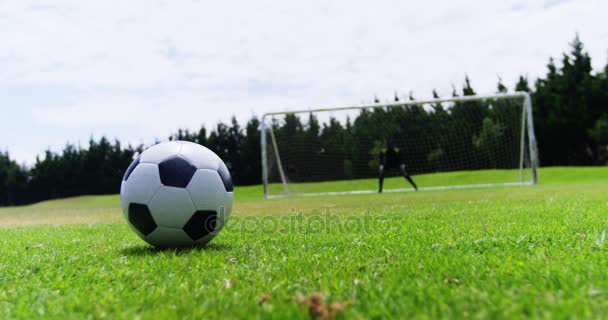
(570, 106)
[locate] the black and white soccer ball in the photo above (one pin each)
(177, 194)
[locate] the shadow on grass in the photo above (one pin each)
(147, 250)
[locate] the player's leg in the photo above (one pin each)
(380, 177)
(407, 176)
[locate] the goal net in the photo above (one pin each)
(462, 142)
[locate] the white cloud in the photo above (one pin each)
(144, 68)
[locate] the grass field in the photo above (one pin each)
(508, 252)
(424, 181)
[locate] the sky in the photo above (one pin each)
(139, 70)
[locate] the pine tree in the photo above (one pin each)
(250, 170)
(522, 84)
(467, 90)
(435, 94)
(454, 91)
(201, 137)
(501, 88)
(437, 107)
(563, 110)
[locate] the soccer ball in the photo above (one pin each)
(177, 194)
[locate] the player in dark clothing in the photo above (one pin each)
(391, 158)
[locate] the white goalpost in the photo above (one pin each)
(452, 143)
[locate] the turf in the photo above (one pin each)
(508, 252)
(430, 180)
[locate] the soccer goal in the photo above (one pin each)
(461, 142)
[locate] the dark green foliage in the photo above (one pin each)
(454, 92)
(467, 90)
(76, 171)
(251, 168)
(567, 104)
(500, 87)
(522, 84)
(13, 181)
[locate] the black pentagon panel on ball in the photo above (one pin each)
(202, 223)
(226, 178)
(176, 171)
(141, 218)
(130, 169)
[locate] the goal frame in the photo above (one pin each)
(527, 122)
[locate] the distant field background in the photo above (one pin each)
(249, 200)
(532, 251)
